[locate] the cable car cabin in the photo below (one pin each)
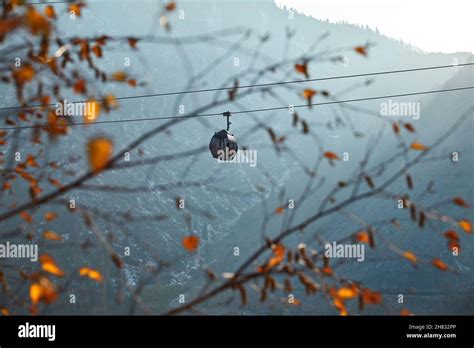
(223, 146)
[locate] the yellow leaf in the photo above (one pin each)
(418, 147)
(36, 291)
(50, 235)
(91, 273)
(346, 293)
(339, 304)
(278, 256)
(110, 101)
(49, 265)
(50, 216)
(465, 225)
(410, 256)
(44, 290)
(119, 76)
(99, 152)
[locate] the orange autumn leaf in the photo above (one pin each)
(465, 225)
(31, 161)
(80, 86)
(410, 256)
(308, 94)
(99, 151)
(110, 101)
(331, 155)
(36, 291)
(7, 25)
(132, 42)
(461, 202)
(97, 50)
(57, 125)
(190, 243)
(36, 22)
(54, 182)
(43, 290)
(409, 127)
(90, 273)
(363, 237)
(295, 302)
(49, 265)
(439, 264)
(76, 8)
(170, 6)
(418, 147)
(4, 311)
(50, 216)
(405, 312)
(396, 128)
(132, 82)
(346, 293)
(327, 270)
(371, 297)
(362, 50)
(454, 245)
(51, 235)
(339, 304)
(452, 235)
(302, 69)
(280, 210)
(27, 217)
(119, 76)
(24, 74)
(102, 40)
(278, 256)
(278, 251)
(50, 12)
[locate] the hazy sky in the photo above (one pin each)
(432, 25)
